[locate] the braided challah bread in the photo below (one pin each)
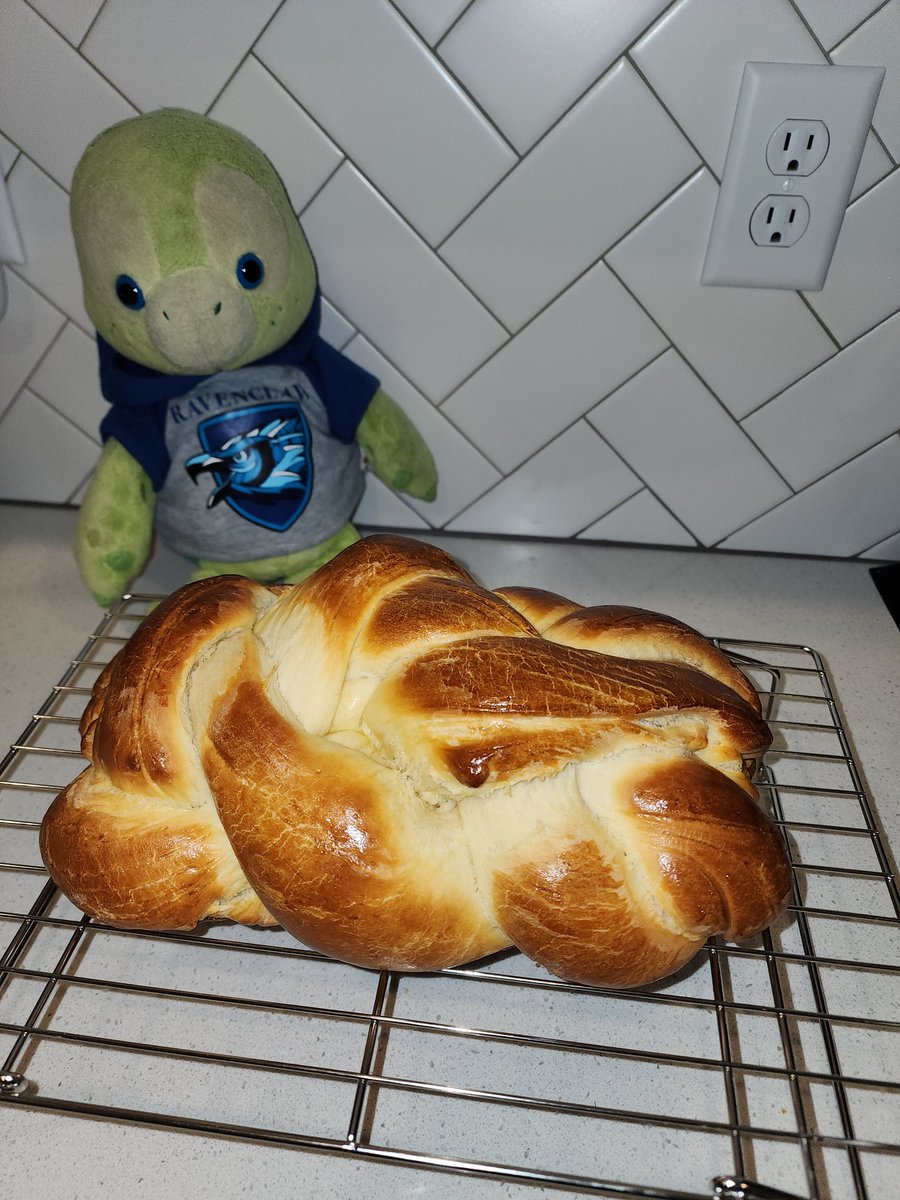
(407, 771)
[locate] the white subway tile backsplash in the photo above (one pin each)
(836, 412)
(335, 328)
(34, 62)
(550, 495)
(526, 63)
(42, 215)
(748, 344)
(372, 85)
(68, 380)
(72, 18)
(832, 20)
(839, 515)
(688, 450)
(873, 165)
(432, 18)
(585, 344)
(888, 550)
(26, 332)
(42, 456)
(694, 59)
(863, 282)
(389, 284)
(509, 206)
(169, 53)
(380, 506)
(255, 103)
(641, 519)
(9, 152)
(463, 473)
(877, 43)
(583, 187)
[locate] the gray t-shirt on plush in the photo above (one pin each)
(255, 471)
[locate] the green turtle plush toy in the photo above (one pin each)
(233, 428)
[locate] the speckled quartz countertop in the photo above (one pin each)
(831, 606)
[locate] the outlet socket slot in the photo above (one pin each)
(779, 221)
(797, 147)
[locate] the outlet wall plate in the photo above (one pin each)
(797, 98)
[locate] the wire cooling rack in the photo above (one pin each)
(777, 1060)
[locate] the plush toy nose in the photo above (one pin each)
(199, 322)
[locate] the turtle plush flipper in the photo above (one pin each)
(115, 524)
(287, 568)
(395, 449)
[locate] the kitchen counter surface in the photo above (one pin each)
(832, 606)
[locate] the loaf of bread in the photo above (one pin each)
(407, 771)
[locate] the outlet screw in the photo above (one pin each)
(12, 1084)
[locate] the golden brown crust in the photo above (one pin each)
(315, 826)
(640, 634)
(410, 772)
(540, 607)
(572, 915)
(126, 869)
(135, 839)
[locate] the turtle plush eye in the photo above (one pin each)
(250, 271)
(129, 292)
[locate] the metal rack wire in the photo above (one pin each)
(775, 1060)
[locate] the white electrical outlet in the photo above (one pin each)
(796, 142)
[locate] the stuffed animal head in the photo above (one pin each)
(191, 257)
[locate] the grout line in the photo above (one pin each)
(645, 486)
(609, 512)
(634, 374)
(546, 304)
(877, 183)
(218, 96)
(473, 100)
(644, 79)
(398, 496)
(456, 20)
(95, 441)
(530, 457)
(820, 45)
(737, 423)
(90, 27)
(650, 315)
(19, 152)
(623, 57)
(820, 321)
(71, 500)
(358, 333)
(389, 204)
(396, 212)
(890, 156)
(846, 37)
(247, 55)
(327, 136)
(77, 50)
(806, 488)
(28, 378)
(275, 13)
(869, 549)
(829, 53)
(90, 332)
(43, 171)
(846, 346)
(321, 188)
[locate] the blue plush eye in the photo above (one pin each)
(129, 292)
(250, 271)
